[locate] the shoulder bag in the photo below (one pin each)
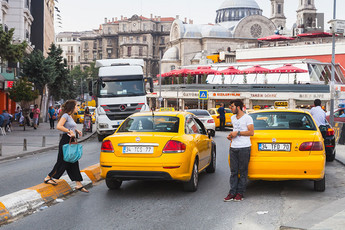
(72, 151)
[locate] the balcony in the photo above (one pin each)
(5, 5)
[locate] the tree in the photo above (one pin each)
(244, 78)
(8, 51)
(62, 87)
(23, 93)
(78, 77)
(189, 79)
(39, 70)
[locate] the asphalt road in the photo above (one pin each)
(164, 205)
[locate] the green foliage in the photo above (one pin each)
(39, 70)
(8, 51)
(244, 78)
(203, 79)
(62, 87)
(22, 91)
(180, 80)
(189, 79)
(295, 79)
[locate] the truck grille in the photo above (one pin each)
(121, 111)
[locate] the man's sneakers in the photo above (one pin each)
(238, 197)
(231, 197)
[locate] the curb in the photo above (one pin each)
(40, 150)
(28, 200)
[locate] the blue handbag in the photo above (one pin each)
(72, 151)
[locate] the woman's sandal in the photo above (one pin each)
(82, 189)
(53, 182)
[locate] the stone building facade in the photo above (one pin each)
(69, 42)
(135, 37)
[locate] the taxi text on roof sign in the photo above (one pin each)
(281, 104)
(167, 109)
(203, 94)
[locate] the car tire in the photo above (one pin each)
(192, 184)
(330, 156)
(320, 185)
(100, 137)
(212, 166)
(112, 183)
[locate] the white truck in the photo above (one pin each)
(120, 92)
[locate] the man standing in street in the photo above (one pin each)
(36, 111)
(318, 113)
(221, 112)
(240, 147)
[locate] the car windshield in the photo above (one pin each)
(150, 124)
(282, 121)
(81, 112)
(199, 112)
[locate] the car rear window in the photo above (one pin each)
(150, 124)
(81, 112)
(282, 121)
(199, 112)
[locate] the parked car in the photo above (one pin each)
(215, 115)
(206, 119)
(338, 115)
(287, 145)
(159, 146)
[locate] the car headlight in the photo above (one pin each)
(103, 125)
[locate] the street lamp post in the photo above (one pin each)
(331, 117)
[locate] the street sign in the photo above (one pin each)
(338, 26)
(203, 94)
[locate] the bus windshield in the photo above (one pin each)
(121, 88)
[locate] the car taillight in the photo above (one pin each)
(210, 121)
(311, 146)
(107, 147)
(174, 147)
(330, 132)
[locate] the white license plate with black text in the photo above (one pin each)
(137, 149)
(275, 147)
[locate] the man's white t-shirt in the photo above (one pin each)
(241, 125)
(319, 115)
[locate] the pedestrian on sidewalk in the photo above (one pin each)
(51, 113)
(67, 125)
(36, 115)
(221, 112)
(240, 146)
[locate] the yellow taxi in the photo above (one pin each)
(287, 145)
(79, 116)
(215, 115)
(158, 146)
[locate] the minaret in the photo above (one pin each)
(277, 16)
(306, 15)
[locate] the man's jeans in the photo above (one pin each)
(239, 160)
(222, 123)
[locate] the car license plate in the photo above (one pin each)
(137, 149)
(275, 147)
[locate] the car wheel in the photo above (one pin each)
(330, 156)
(192, 184)
(320, 185)
(212, 167)
(100, 137)
(113, 183)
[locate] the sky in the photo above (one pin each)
(81, 15)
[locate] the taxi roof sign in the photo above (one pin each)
(203, 94)
(281, 104)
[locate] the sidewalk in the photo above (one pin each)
(11, 145)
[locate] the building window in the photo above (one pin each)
(144, 38)
(162, 40)
(109, 43)
(129, 51)
(145, 27)
(124, 27)
(86, 45)
(131, 39)
(279, 8)
(124, 39)
(140, 51)
(162, 28)
(100, 56)
(95, 45)
(72, 59)
(94, 55)
(309, 2)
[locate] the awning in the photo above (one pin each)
(275, 38)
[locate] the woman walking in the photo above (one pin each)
(51, 113)
(67, 125)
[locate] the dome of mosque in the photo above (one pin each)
(235, 10)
